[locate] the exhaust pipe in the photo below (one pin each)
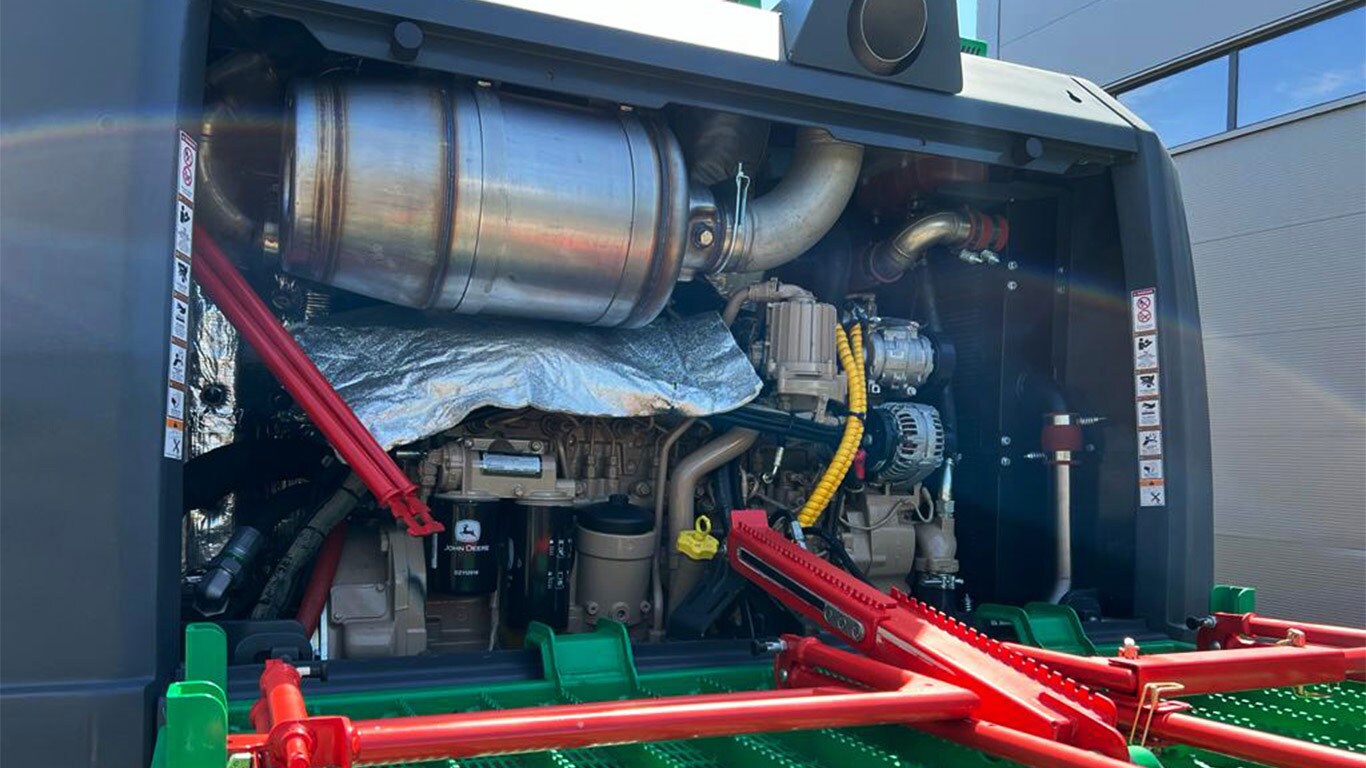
(446, 197)
(785, 223)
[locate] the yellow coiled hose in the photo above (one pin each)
(850, 348)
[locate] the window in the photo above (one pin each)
(1315, 64)
(1322, 61)
(1186, 105)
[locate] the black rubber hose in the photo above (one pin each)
(280, 587)
(235, 466)
(775, 422)
(948, 406)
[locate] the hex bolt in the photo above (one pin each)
(703, 236)
(1012, 265)
(1012, 285)
(1005, 439)
(1005, 461)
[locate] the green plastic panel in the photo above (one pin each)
(1227, 598)
(598, 666)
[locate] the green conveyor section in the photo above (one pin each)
(599, 666)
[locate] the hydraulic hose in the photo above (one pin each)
(280, 585)
(850, 348)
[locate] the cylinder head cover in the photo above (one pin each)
(456, 198)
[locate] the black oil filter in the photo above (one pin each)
(541, 557)
(463, 559)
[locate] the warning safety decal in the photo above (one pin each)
(1152, 482)
(187, 153)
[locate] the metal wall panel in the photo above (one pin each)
(1104, 40)
(91, 100)
(1278, 230)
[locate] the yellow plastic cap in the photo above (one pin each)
(698, 543)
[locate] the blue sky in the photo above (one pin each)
(967, 18)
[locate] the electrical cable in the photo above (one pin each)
(850, 348)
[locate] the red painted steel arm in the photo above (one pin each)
(1169, 723)
(1315, 634)
(562, 727)
(291, 739)
(1021, 747)
(1236, 669)
(1015, 691)
(309, 388)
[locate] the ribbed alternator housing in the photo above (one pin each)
(914, 440)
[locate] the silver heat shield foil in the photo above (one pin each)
(214, 362)
(211, 421)
(409, 376)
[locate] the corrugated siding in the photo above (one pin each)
(1278, 229)
(1105, 40)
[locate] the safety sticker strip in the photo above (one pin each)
(173, 443)
(1152, 482)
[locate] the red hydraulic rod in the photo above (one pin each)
(1019, 746)
(1246, 744)
(320, 583)
(309, 388)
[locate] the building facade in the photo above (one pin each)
(1261, 103)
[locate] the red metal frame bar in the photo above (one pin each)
(288, 738)
(1253, 625)
(1016, 745)
(1199, 672)
(1170, 724)
(309, 388)
(1244, 630)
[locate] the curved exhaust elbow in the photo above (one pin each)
(790, 219)
(887, 261)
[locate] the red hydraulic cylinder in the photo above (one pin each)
(282, 702)
(1246, 744)
(680, 717)
(309, 388)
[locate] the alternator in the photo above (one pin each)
(907, 442)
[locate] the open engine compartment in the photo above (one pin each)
(660, 232)
(985, 450)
